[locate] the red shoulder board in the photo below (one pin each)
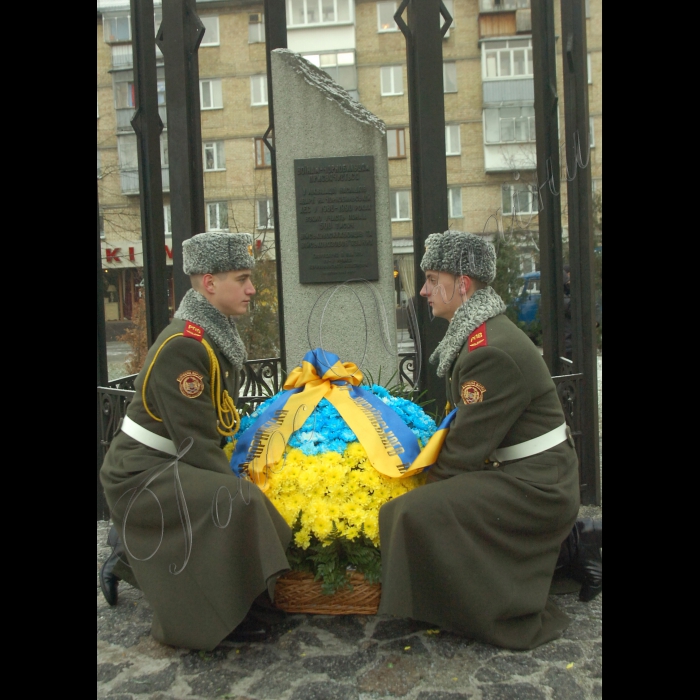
(478, 338)
(192, 330)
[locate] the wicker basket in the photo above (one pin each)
(297, 592)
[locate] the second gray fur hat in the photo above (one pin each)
(209, 253)
(460, 253)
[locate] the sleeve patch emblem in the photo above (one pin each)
(472, 392)
(191, 384)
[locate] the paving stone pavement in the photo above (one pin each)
(353, 657)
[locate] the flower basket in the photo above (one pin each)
(297, 592)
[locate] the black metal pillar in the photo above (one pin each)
(148, 127)
(548, 178)
(179, 37)
(102, 373)
(426, 105)
(581, 240)
(275, 38)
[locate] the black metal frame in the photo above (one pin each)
(583, 341)
(426, 107)
(148, 127)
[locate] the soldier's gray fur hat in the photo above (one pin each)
(209, 253)
(460, 253)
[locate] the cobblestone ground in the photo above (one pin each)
(314, 657)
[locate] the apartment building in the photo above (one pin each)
(489, 118)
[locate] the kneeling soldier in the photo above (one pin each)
(474, 551)
(200, 543)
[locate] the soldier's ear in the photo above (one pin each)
(209, 283)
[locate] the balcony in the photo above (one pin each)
(130, 181)
(123, 56)
(125, 115)
(518, 90)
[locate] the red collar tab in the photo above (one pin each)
(192, 330)
(477, 338)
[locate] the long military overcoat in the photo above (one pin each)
(202, 544)
(474, 550)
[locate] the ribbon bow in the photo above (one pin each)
(391, 447)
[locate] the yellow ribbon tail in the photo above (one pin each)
(429, 454)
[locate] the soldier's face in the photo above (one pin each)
(232, 292)
(442, 291)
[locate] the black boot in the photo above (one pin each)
(580, 557)
(108, 579)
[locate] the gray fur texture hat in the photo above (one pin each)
(209, 253)
(460, 253)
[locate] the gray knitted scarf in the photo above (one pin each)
(195, 308)
(483, 305)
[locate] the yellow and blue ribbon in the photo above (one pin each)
(391, 446)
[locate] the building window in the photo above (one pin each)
(167, 221)
(99, 165)
(385, 17)
(258, 90)
(509, 125)
(301, 13)
(126, 148)
(266, 216)
(589, 69)
(161, 91)
(210, 96)
(399, 205)
(449, 76)
(507, 59)
(452, 142)
(256, 28)
(117, 28)
(214, 155)
(263, 157)
(520, 199)
(392, 80)
(591, 132)
(164, 150)
(217, 216)
(588, 8)
(450, 7)
(396, 143)
(339, 65)
(211, 30)
(454, 202)
(498, 5)
(102, 225)
(125, 95)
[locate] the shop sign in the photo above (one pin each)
(128, 254)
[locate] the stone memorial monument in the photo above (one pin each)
(335, 228)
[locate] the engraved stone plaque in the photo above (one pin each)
(336, 219)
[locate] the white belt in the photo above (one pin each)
(146, 437)
(532, 447)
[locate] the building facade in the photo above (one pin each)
(489, 119)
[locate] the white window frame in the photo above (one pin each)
(449, 4)
(400, 142)
(261, 82)
(317, 6)
(591, 132)
(453, 66)
(530, 131)
(257, 35)
(108, 20)
(211, 41)
(452, 134)
(215, 90)
(391, 72)
(499, 76)
(261, 149)
(219, 155)
(503, 5)
(268, 215)
(516, 189)
(383, 30)
(589, 68)
(451, 208)
(396, 195)
(217, 206)
(164, 161)
(167, 220)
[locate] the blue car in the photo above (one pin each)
(528, 300)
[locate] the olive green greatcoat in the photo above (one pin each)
(231, 559)
(474, 550)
